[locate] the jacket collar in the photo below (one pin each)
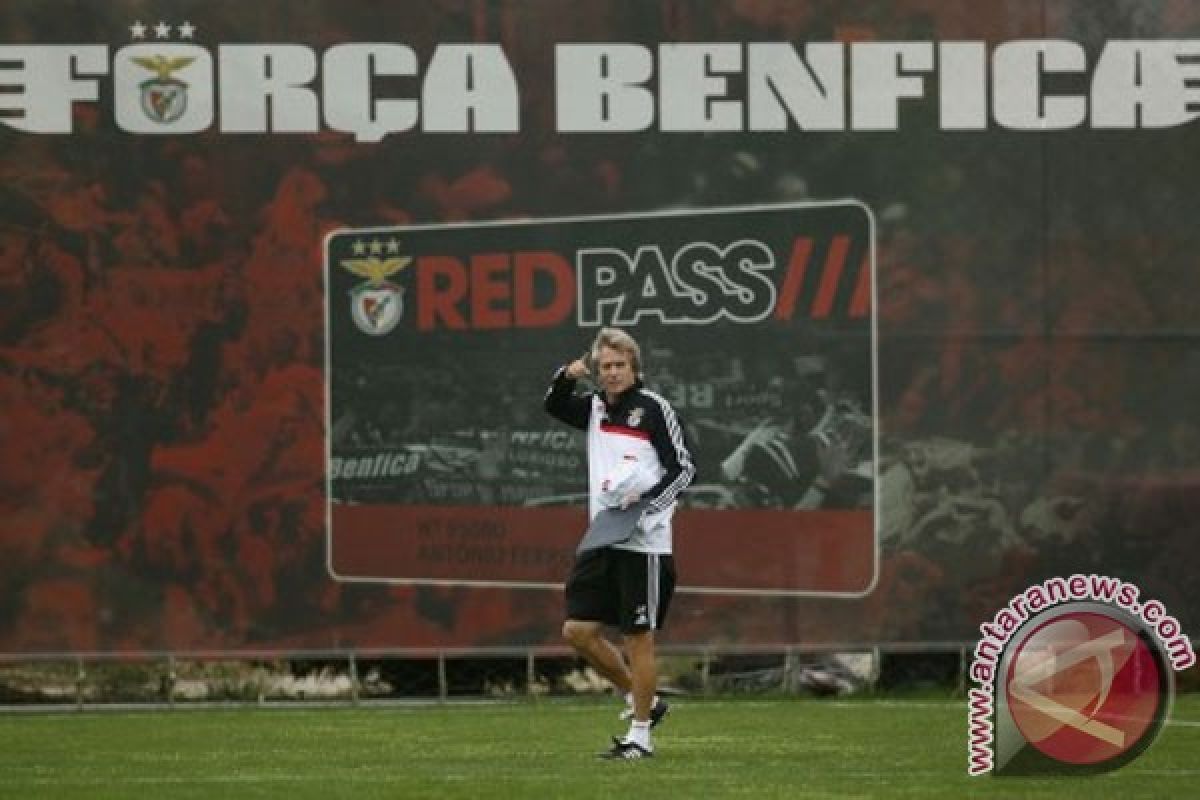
(623, 396)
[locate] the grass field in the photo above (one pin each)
(785, 748)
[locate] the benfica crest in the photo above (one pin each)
(378, 304)
(164, 98)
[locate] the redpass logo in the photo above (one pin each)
(740, 266)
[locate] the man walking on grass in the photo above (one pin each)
(638, 463)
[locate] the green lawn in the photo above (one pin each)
(786, 748)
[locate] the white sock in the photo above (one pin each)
(639, 734)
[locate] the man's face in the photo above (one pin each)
(615, 371)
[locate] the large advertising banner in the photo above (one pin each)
(282, 285)
(757, 327)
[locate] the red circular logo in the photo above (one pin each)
(1084, 688)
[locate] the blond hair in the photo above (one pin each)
(620, 341)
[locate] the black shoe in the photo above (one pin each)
(657, 712)
(628, 751)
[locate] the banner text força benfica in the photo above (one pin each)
(182, 87)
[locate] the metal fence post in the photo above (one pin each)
(80, 678)
(443, 687)
(961, 689)
(530, 674)
(876, 670)
(169, 685)
(353, 679)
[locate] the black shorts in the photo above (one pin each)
(624, 588)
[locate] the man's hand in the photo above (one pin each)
(630, 499)
(578, 368)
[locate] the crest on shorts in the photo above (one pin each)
(635, 417)
(377, 304)
(164, 98)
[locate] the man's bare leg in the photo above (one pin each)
(643, 672)
(600, 653)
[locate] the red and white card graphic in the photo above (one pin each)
(758, 326)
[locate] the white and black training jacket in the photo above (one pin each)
(640, 425)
